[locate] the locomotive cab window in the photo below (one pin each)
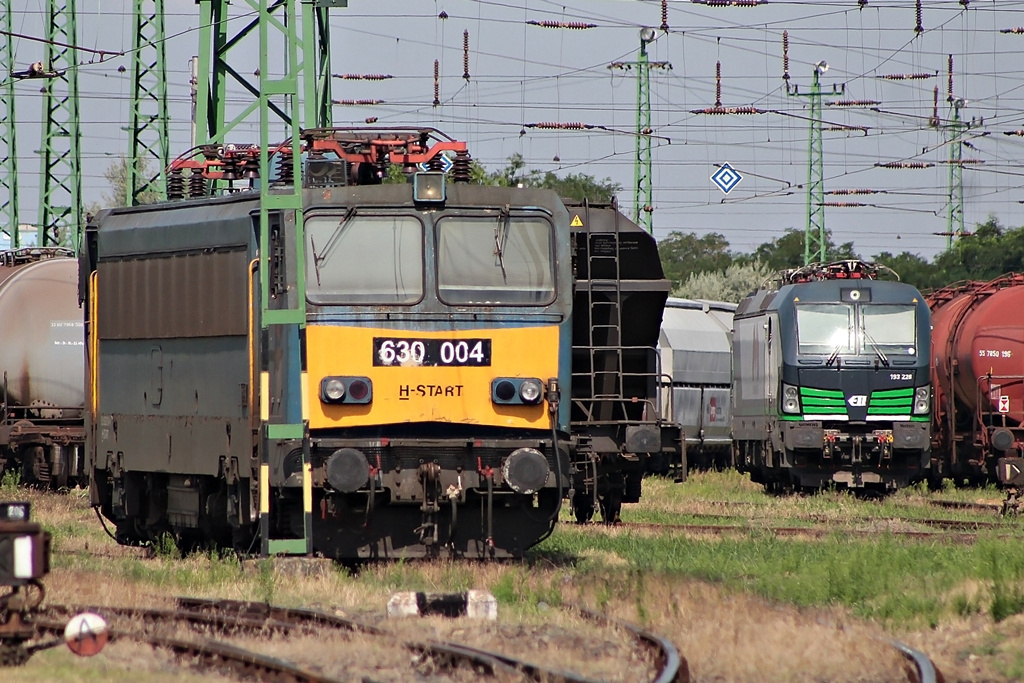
(825, 328)
(364, 259)
(840, 329)
(890, 327)
(495, 260)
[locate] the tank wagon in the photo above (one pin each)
(978, 343)
(831, 380)
(696, 350)
(42, 361)
(429, 369)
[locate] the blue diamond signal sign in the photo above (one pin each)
(446, 164)
(726, 177)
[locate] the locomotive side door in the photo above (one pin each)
(772, 363)
(771, 370)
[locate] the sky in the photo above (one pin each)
(522, 73)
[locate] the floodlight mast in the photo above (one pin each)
(149, 130)
(953, 130)
(815, 236)
(61, 177)
(643, 193)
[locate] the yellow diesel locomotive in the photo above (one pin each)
(440, 391)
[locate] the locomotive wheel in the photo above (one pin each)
(34, 469)
(127, 533)
(611, 506)
(583, 507)
(774, 487)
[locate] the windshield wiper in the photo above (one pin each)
(331, 243)
(834, 356)
(875, 347)
(316, 259)
(500, 233)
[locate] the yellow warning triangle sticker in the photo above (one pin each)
(576, 222)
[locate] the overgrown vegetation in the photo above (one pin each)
(731, 284)
(9, 482)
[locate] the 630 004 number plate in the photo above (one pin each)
(405, 351)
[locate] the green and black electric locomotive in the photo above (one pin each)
(831, 380)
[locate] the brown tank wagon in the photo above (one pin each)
(978, 377)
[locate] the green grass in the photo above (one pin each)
(886, 578)
(896, 580)
(1011, 665)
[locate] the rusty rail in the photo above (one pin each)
(213, 654)
(671, 667)
(925, 670)
(964, 505)
(834, 522)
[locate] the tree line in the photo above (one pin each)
(704, 267)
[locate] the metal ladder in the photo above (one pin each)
(605, 334)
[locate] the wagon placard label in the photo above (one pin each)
(67, 333)
(1004, 404)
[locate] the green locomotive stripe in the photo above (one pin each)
(906, 402)
(823, 402)
(893, 393)
(888, 410)
(920, 418)
(830, 410)
(820, 393)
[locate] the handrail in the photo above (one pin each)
(94, 333)
(253, 265)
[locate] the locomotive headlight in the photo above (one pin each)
(333, 389)
(921, 400)
(530, 391)
(357, 390)
(517, 390)
(790, 399)
(429, 187)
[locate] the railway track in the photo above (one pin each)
(801, 532)
(965, 505)
(226, 618)
(956, 524)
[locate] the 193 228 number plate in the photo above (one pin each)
(390, 351)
